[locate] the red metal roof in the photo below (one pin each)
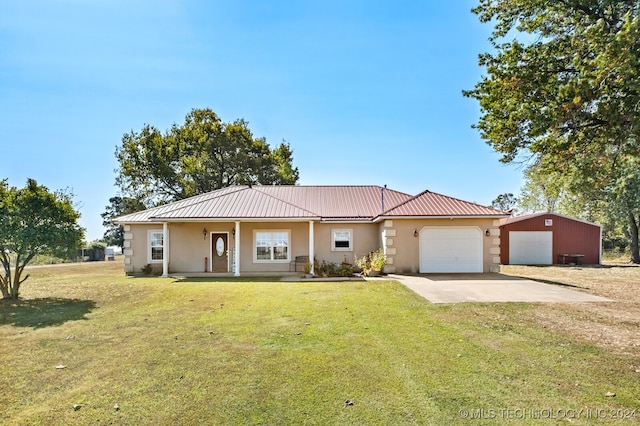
(431, 204)
(327, 203)
(338, 202)
(527, 216)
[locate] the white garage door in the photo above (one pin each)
(530, 247)
(451, 249)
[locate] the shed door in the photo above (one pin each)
(451, 249)
(530, 247)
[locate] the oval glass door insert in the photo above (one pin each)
(220, 246)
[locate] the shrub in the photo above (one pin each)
(371, 262)
(345, 270)
(325, 268)
(97, 245)
(331, 269)
(378, 260)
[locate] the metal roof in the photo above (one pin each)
(327, 203)
(528, 216)
(431, 204)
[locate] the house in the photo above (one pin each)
(265, 229)
(549, 238)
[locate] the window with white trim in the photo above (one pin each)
(156, 246)
(271, 246)
(341, 240)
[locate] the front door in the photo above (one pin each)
(219, 253)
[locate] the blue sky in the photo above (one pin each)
(365, 92)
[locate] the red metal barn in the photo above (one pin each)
(548, 238)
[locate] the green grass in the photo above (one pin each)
(193, 351)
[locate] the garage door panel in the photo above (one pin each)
(530, 247)
(451, 249)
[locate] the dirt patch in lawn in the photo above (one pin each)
(614, 325)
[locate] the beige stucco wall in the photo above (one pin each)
(136, 247)
(298, 245)
(188, 248)
(403, 249)
(365, 239)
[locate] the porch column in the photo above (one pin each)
(236, 263)
(311, 253)
(165, 249)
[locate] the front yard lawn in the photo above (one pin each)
(193, 351)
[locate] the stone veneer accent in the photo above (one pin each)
(389, 250)
(495, 247)
(128, 251)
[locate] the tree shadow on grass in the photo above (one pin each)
(45, 312)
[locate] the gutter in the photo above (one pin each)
(381, 218)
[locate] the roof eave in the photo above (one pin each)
(137, 222)
(515, 219)
(379, 218)
(235, 219)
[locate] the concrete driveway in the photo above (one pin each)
(454, 288)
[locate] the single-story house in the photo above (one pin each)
(265, 229)
(549, 238)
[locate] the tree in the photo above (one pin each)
(505, 202)
(202, 155)
(33, 221)
(118, 206)
(622, 203)
(543, 191)
(564, 91)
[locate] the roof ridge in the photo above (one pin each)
(467, 202)
(514, 219)
(205, 198)
(426, 191)
(283, 201)
(403, 203)
(324, 186)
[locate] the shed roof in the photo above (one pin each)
(515, 219)
(327, 203)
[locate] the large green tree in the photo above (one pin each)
(506, 202)
(543, 191)
(201, 155)
(118, 206)
(562, 89)
(33, 221)
(620, 203)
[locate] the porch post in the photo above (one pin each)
(236, 263)
(165, 249)
(311, 253)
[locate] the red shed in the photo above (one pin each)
(549, 238)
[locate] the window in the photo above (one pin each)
(271, 246)
(156, 246)
(341, 240)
